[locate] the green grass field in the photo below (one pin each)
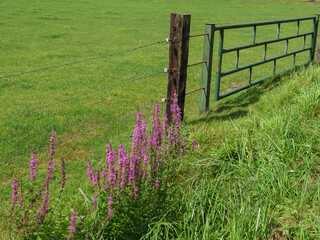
(261, 145)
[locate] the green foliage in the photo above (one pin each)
(258, 149)
(262, 181)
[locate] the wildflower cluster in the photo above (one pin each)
(126, 172)
(27, 218)
(124, 176)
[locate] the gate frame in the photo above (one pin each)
(211, 28)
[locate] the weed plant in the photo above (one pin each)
(129, 190)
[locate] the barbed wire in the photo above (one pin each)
(84, 60)
(93, 128)
(83, 132)
(81, 95)
(195, 91)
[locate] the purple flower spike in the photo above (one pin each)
(22, 200)
(73, 226)
(95, 199)
(63, 170)
(110, 203)
(52, 140)
(111, 157)
(110, 212)
(134, 194)
(15, 195)
(184, 144)
(33, 164)
(122, 167)
(156, 185)
(90, 172)
(194, 143)
(52, 151)
(41, 214)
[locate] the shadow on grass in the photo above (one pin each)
(235, 106)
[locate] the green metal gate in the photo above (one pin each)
(210, 30)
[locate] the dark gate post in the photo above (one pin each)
(207, 68)
(314, 37)
(178, 60)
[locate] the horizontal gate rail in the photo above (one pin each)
(222, 74)
(234, 26)
(208, 49)
(228, 50)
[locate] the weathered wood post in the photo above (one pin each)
(178, 60)
(318, 51)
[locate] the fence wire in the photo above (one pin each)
(84, 60)
(83, 132)
(81, 95)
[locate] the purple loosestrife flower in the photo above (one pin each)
(22, 199)
(15, 195)
(110, 212)
(95, 199)
(156, 185)
(194, 143)
(52, 140)
(52, 151)
(94, 178)
(108, 152)
(184, 145)
(134, 194)
(139, 147)
(110, 162)
(44, 207)
(125, 171)
(110, 203)
(97, 178)
(73, 226)
(33, 164)
(145, 165)
(73, 221)
(63, 170)
(122, 167)
(170, 139)
(165, 132)
(104, 177)
(135, 149)
(90, 172)
(155, 164)
(121, 155)
(157, 130)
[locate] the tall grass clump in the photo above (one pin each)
(261, 181)
(129, 189)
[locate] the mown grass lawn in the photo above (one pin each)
(39, 34)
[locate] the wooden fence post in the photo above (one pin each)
(318, 51)
(178, 60)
